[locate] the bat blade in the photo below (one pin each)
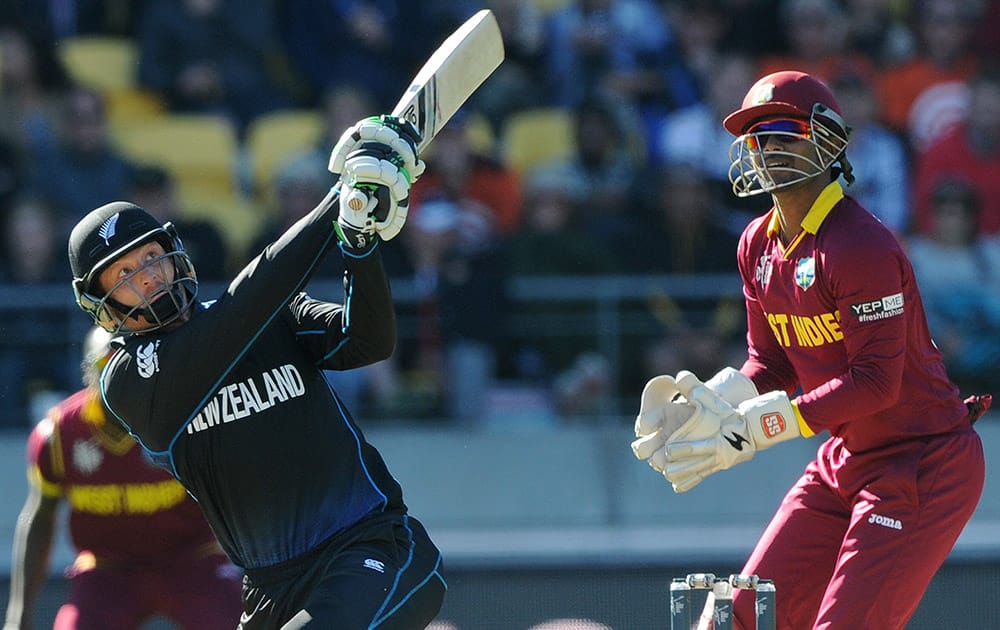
(452, 73)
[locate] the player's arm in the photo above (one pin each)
(870, 272)
(358, 332)
(371, 161)
(33, 536)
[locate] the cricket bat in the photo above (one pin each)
(447, 79)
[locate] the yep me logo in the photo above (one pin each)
(881, 308)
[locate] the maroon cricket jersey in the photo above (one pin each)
(123, 508)
(838, 313)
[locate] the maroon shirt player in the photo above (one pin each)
(144, 547)
(838, 340)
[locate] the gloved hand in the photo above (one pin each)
(374, 196)
(734, 435)
(664, 410)
(396, 133)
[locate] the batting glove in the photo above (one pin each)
(374, 197)
(396, 133)
(735, 435)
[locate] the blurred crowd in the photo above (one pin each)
(596, 149)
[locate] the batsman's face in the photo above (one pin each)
(138, 276)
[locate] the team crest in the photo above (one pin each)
(87, 456)
(108, 229)
(805, 272)
(763, 94)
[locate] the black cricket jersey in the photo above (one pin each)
(235, 404)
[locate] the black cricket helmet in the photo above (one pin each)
(102, 237)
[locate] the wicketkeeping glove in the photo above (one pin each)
(374, 197)
(664, 410)
(735, 435)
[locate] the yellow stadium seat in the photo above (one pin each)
(550, 6)
(535, 136)
(102, 62)
(200, 150)
(132, 106)
(480, 134)
(275, 136)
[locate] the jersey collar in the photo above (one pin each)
(824, 203)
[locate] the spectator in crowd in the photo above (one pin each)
(60, 19)
(32, 360)
(34, 84)
(878, 30)
(154, 188)
(32, 252)
(817, 35)
(341, 104)
(383, 42)
(880, 157)
(924, 95)
(455, 255)
(751, 28)
(143, 546)
(958, 270)
(90, 169)
(692, 135)
(300, 184)
(459, 172)
(603, 167)
(685, 231)
(517, 84)
(699, 26)
(213, 56)
(599, 46)
(970, 150)
(551, 241)
(12, 174)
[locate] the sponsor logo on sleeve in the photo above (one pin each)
(881, 308)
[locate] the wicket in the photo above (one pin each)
(717, 613)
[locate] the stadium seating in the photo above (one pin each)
(535, 136)
(273, 137)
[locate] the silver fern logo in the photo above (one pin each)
(107, 231)
(146, 359)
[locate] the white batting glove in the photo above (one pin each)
(374, 197)
(396, 133)
(737, 434)
(664, 410)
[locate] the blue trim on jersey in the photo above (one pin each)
(357, 441)
(349, 254)
(349, 293)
